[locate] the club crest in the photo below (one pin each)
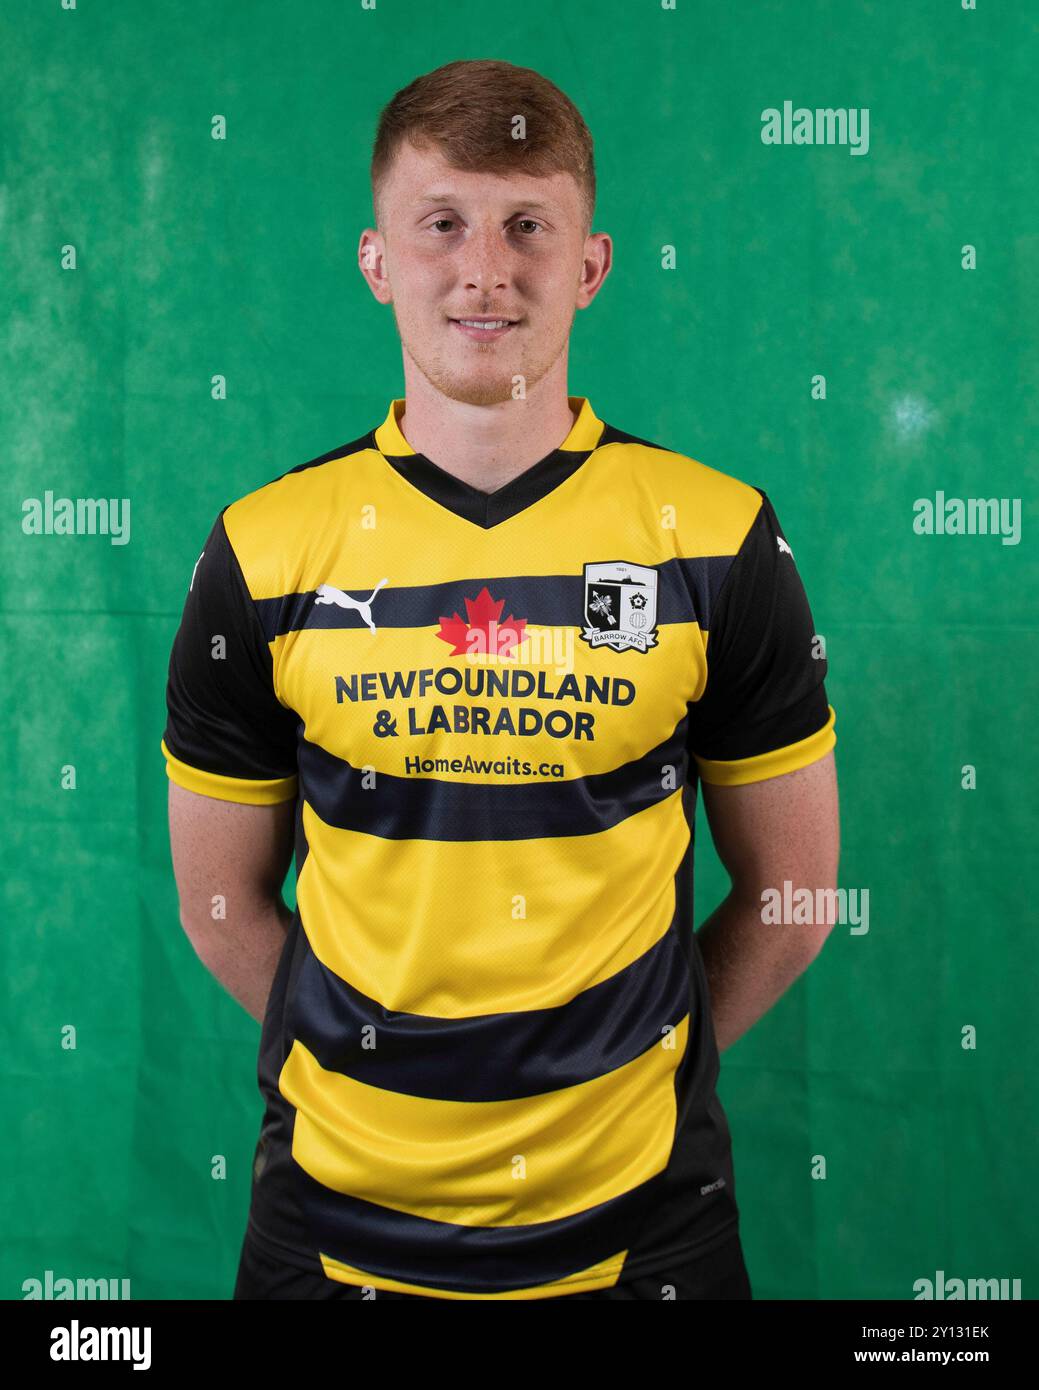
(620, 606)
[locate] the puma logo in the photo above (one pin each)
(328, 593)
(784, 549)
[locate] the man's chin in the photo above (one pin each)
(476, 388)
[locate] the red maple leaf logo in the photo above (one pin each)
(484, 631)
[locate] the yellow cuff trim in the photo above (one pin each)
(241, 789)
(773, 764)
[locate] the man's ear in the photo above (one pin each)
(371, 261)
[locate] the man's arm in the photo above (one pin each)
(782, 828)
(241, 853)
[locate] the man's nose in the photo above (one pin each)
(485, 259)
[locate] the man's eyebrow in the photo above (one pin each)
(451, 198)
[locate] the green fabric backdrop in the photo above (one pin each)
(198, 257)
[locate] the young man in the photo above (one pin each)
(474, 664)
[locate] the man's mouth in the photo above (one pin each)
(483, 328)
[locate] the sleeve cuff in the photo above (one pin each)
(772, 764)
(241, 789)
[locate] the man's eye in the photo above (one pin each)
(524, 222)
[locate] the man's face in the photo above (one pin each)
(457, 245)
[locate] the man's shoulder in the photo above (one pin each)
(302, 487)
(718, 505)
(282, 516)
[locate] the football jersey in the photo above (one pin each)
(488, 1063)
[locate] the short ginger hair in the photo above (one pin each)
(467, 109)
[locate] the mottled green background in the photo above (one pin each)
(198, 257)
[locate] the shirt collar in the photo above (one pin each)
(487, 509)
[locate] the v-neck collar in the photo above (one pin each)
(487, 509)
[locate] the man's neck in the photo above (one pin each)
(486, 446)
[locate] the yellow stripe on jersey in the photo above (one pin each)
(487, 1163)
(307, 664)
(578, 927)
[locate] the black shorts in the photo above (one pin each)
(720, 1273)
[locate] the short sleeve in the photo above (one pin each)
(227, 734)
(763, 710)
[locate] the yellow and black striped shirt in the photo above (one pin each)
(488, 1061)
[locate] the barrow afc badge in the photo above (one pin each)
(620, 606)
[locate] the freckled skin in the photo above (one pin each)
(784, 828)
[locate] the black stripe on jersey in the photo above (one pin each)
(686, 593)
(501, 1056)
(426, 808)
(501, 1258)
